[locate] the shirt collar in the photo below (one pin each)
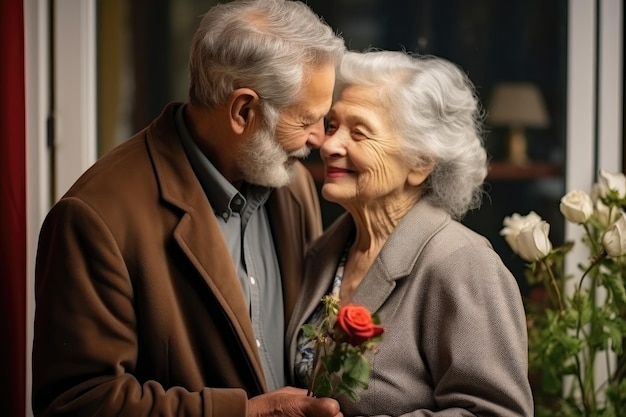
(222, 195)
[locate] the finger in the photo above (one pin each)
(324, 407)
(292, 391)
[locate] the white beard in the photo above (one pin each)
(264, 162)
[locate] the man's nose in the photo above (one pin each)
(316, 136)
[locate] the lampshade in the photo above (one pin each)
(517, 105)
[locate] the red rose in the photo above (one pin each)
(356, 322)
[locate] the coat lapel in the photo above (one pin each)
(197, 231)
(395, 260)
(293, 213)
(375, 287)
(399, 254)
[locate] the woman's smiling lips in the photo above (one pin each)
(336, 172)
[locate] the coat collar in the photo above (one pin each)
(396, 260)
(197, 228)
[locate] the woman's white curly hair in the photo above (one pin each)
(435, 110)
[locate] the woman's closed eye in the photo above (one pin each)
(358, 135)
(330, 127)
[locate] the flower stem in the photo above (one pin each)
(593, 242)
(314, 369)
(581, 384)
(587, 388)
(595, 262)
(555, 285)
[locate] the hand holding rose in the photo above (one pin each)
(292, 402)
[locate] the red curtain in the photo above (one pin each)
(12, 211)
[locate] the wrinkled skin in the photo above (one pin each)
(292, 402)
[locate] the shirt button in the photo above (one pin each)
(225, 215)
(252, 281)
(258, 343)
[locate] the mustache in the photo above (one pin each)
(301, 153)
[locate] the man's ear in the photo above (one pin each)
(243, 107)
(417, 175)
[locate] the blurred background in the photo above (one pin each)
(515, 52)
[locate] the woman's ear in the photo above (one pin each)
(243, 107)
(417, 175)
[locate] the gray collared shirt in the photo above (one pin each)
(243, 220)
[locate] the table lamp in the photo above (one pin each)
(517, 106)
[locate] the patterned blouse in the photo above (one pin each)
(305, 347)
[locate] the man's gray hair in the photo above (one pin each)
(265, 45)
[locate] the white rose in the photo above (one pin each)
(605, 214)
(576, 206)
(514, 224)
(614, 239)
(612, 181)
(533, 242)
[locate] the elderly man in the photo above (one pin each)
(166, 274)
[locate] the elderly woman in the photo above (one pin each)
(403, 155)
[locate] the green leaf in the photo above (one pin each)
(616, 336)
(333, 361)
(309, 331)
(357, 368)
(322, 386)
(616, 394)
(615, 284)
(344, 389)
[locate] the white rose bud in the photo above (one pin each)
(606, 215)
(614, 239)
(514, 224)
(533, 242)
(612, 181)
(576, 206)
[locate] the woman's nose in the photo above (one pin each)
(333, 145)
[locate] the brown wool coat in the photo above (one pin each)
(139, 310)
